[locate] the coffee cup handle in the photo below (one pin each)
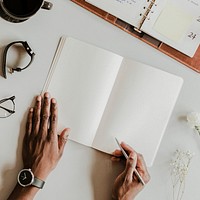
(47, 5)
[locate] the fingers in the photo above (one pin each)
(43, 120)
(62, 140)
(127, 148)
(142, 168)
(118, 153)
(45, 115)
(130, 167)
(139, 164)
(29, 122)
(53, 120)
(36, 115)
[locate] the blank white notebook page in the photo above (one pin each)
(138, 110)
(102, 95)
(81, 83)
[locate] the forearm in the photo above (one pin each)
(124, 197)
(23, 193)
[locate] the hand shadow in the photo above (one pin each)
(10, 171)
(104, 174)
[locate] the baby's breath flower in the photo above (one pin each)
(193, 119)
(179, 169)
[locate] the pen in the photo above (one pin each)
(126, 156)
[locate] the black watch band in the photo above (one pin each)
(18, 69)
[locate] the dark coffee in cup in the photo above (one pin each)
(21, 10)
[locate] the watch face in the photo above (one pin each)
(25, 177)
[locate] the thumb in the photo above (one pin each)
(130, 167)
(63, 137)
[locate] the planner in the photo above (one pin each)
(102, 95)
(172, 27)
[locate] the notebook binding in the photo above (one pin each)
(146, 13)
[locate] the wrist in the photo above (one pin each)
(126, 197)
(27, 186)
(23, 193)
(27, 178)
(41, 172)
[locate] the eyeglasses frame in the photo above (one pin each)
(12, 98)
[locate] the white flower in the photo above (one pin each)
(193, 119)
(179, 170)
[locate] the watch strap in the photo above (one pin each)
(38, 183)
(18, 69)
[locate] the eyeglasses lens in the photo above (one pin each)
(6, 108)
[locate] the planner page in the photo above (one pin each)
(176, 23)
(82, 82)
(138, 109)
(130, 11)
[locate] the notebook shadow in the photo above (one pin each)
(104, 173)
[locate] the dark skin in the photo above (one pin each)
(127, 185)
(42, 146)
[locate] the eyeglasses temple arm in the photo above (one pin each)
(8, 110)
(6, 99)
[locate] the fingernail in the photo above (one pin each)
(38, 98)
(46, 95)
(132, 156)
(53, 100)
(31, 110)
(66, 135)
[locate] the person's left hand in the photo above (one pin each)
(42, 146)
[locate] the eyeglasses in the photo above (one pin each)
(7, 107)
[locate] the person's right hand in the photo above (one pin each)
(127, 185)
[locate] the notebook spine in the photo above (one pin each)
(145, 14)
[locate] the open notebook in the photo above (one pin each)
(102, 95)
(170, 26)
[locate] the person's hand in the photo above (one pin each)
(42, 146)
(127, 185)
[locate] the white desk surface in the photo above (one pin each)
(84, 173)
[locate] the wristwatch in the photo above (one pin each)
(26, 47)
(26, 178)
